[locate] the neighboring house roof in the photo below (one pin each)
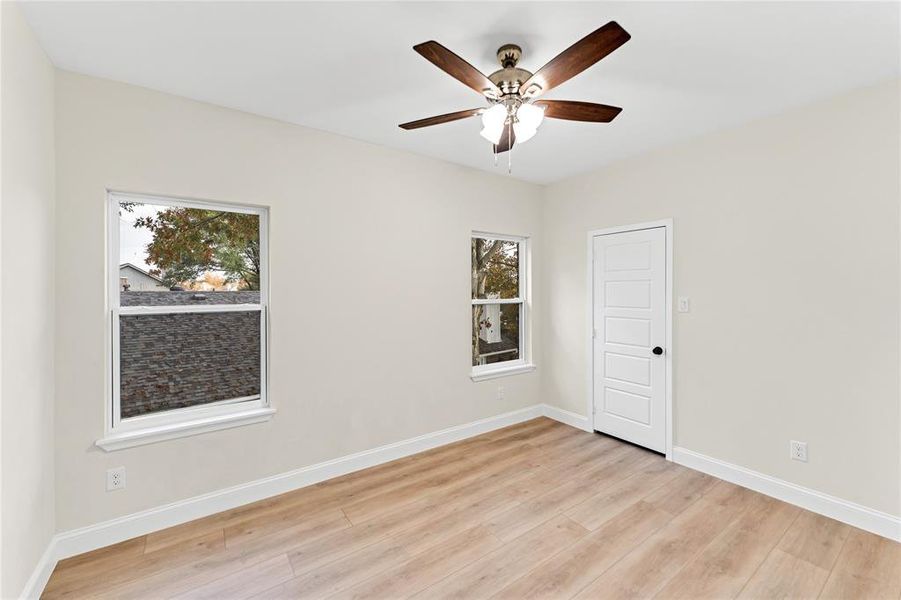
(505, 345)
(140, 270)
(187, 359)
(178, 298)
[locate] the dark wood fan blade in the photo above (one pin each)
(575, 59)
(508, 138)
(457, 68)
(454, 116)
(572, 110)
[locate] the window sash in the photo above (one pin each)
(478, 301)
(483, 235)
(120, 197)
(524, 333)
(477, 369)
(171, 309)
(163, 419)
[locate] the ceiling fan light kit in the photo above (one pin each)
(514, 114)
(525, 119)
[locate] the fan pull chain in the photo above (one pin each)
(510, 150)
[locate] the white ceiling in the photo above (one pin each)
(690, 67)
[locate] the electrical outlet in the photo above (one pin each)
(115, 479)
(500, 392)
(684, 304)
(798, 451)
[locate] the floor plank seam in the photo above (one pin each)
(637, 545)
(762, 562)
(832, 567)
(702, 548)
(640, 543)
(343, 512)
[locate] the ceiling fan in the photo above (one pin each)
(514, 113)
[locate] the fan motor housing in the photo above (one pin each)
(509, 80)
(510, 77)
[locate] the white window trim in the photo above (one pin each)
(524, 363)
(146, 429)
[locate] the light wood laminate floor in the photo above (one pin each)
(537, 510)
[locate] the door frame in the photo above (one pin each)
(667, 224)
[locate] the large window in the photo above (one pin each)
(499, 305)
(188, 308)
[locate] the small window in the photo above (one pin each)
(499, 305)
(188, 298)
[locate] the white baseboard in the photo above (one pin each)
(868, 519)
(564, 416)
(41, 574)
(77, 541)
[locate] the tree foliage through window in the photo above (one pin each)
(191, 243)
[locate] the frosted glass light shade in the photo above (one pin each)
(523, 134)
(493, 121)
(528, 117)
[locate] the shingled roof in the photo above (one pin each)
(179, 360)
(506, 344)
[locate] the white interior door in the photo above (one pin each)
(630, 336)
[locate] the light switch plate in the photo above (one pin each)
(684, 304)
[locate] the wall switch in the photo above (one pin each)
(684, 304)
(798, 451)
(115, 479)
(500, 392)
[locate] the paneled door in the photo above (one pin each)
(629, 310)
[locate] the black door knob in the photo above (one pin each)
(657, 350)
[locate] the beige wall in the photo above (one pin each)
(26, 280)
(786, 241)
(369, 279)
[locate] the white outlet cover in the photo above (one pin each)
(115, 479)
(684, 304)
(798, 451)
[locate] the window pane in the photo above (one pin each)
(495, 333)
(187, 359)
(495, 268)
(163, 249)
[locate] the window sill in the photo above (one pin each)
(151, 435)
(502, 372)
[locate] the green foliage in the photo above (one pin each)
(502, 272)
(188, 242)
